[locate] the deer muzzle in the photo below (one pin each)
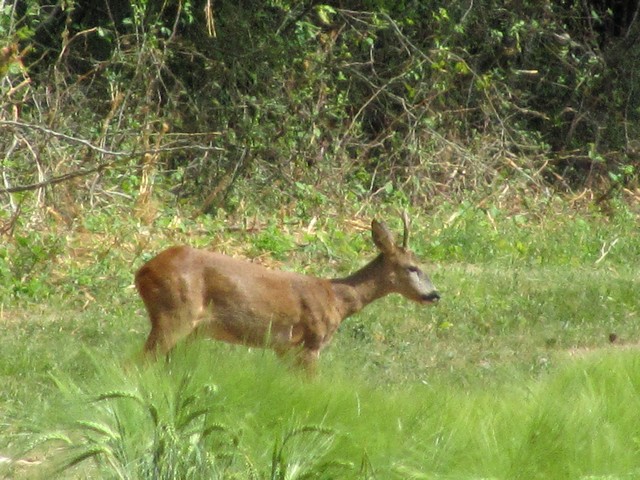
(431, 297)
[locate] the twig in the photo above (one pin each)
(54, 180)
(464, 17)
(104, 151)
(53, 133)
(9, 226)
(605, 251)
(86, 143)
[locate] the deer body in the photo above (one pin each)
(186, 290)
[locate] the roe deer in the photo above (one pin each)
(186, 290)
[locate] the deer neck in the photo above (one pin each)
(359, 289)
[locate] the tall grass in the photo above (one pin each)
(218, 412)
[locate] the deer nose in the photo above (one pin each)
(431, 297)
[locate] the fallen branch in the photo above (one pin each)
(604, 251)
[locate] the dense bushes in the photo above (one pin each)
(417, 100)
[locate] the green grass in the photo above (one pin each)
(511, 376)
(218, 410)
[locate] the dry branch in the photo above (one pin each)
(101, 166)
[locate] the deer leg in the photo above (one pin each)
(158, 342)
(307, 359)
(166, 331)
(151, 344)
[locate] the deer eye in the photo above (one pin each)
(413, 269)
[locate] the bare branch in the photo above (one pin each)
(86, 143)
(54, 180)
(9, 226)
(104, 151)
(53, 133)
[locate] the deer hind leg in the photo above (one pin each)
(160, 340)
(170, 327)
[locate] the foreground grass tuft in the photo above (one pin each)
(241, 415)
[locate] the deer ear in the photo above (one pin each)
(382, 237)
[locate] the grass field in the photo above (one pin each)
(513, 375)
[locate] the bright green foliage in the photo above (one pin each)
(513, 375)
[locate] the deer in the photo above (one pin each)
(188, 291)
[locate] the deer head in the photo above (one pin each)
(404, 273)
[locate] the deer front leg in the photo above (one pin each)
(315, 338)
(300, 358)
(307, 360)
